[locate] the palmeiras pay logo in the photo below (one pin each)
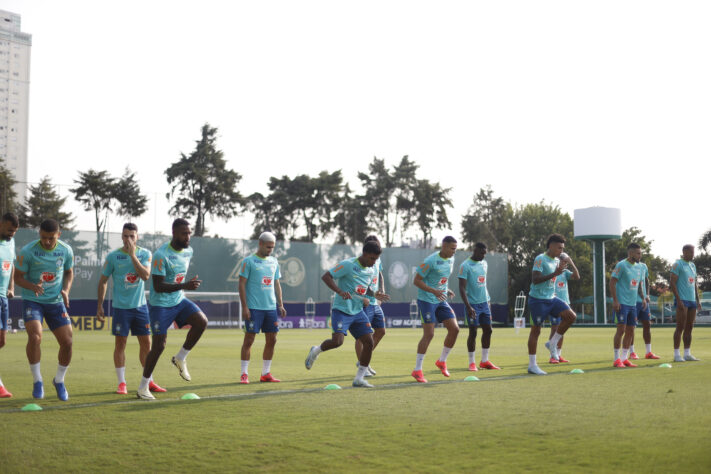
(293, 271)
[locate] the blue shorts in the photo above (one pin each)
(54, 313)
(626, 316)
(643, 314)
(430, 311)
(375, 316)
(483, 315)
(542, 309)
(266, 320)
(358, 323)
(162, 317)
(687, 304)
(135, 319)
(4, 313)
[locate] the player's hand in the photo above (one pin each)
(450, 294)
(65, 297)
(10, 294)
(246, 314)
(644, 305)
(440, 294)
(559, 269)
(471, 314)
(345, 295)
(193, 284)
(37, 289)
(380, 296)
(616, 305)
(130, 247)
(282, 311)
(100, 313)
(366, 302)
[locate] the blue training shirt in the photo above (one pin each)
(475, 275)
(261, 273)
(46, 266)
(173, 265)
(546, 265)
(628, 277)
(7, 260)
(561, 286)
(129, 288)
(435, 272)
(686, 283)
(354, 278)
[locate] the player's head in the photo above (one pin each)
(181, 234)
(129, 233)
(371, 253)
(449, 247)
(372, 238)
(555, 245)
(687, 252)
(8, 226)
(49, 233)
(267, 241)
(479, 251)
(634, 252)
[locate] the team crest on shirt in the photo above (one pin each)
(179, 277)
(481, 279)
(443, 281)
(47, 277)
(130, 278)
(267, 281)
(633, 282)
(6, 265)
(361, 290)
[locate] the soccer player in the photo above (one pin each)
(130, 267)
(543, 302)
(472, 288)
(374, 311)
(260, 295)
(431, 280)
(351, 280)
(561, 292)
(168, 303)
(44, 271)
(645, 315)
(686, 294)
(624, 287)
(8, 226)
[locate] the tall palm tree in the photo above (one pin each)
(705, 240)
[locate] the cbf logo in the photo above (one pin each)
(60, 262)
(251, 325)
(340, 325)
(428, 317)
(156, 326)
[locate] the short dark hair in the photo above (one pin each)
(555, 238)
(633, 245)
(687, 247)
(130, 226)
(480, 245)
(372, 247)
(449, 240)
(49, 225)
(179, 222)
(372, 238)
(11, 218)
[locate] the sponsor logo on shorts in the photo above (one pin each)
(65, 315)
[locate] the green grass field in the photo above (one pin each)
(647, 419)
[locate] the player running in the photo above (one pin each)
(43, 270)
(260, 295)
(351, 280)
(474, 294)
(168, 303)
(431, 280)
(644, 314)
(624, 288)
(686, 294)
(8, 226)
(130, 267)
(543, 303)
(374, 311)
(561, 292)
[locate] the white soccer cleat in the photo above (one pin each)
(145, 394)
(535, 370)
(311, 358)
(690, 358)
(182, 368)
(678, 359)
(360, 383)
(552, 349)
(371, 371)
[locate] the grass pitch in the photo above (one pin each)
(647, 419)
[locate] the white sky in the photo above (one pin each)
(577, 103)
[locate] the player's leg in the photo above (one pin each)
(340, 322)
(471, 342)
(486, 332)
(627, 342)
(445, 315)
(422, 345)
(361, 329)
(120, 363)
(555, 322)
(3, 330)
(33, 328)
(686, 336)
(377, 323)
(681, 316)
(532, 349)
(64, 337)
(617, 338)
(270, 327)
(369, 312)
(251, 329)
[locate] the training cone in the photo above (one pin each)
(471, 378)
(31, 407)
(665, 366)
(577, 371)
(190, 396)
(332, 386)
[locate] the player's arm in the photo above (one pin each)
(672, 286)
(67, 280)
(465, 299)
(539, 277)
(613, 293)
(160, 286)
(100, 295)
(143, 271)
(280, 303)
(11, 284)
(576, 273)
(696, 292)
(331, 284)
(22, 282)
(242, 285)
(419, 282)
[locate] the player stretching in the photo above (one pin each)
(169, 304)
(645, 315)
(432, 293)
(260, 295)
(130, 267)
(374, 311)
(350, 280)
(543, 302)
(8, 227)
(561, 292)
(686, 294)
(472, 289)
(624, 287)
(44, 272)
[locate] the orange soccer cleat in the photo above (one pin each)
(419, 376)
(154, 387)
(488, 365)
(268, 378)
(443, 367)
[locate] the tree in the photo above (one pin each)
(8, 195)
(351, 219)
(128, 194)
(703, 270)
(95, 191)
(429, 209)
(203, 183)
(43, 203)
(488, 220)
(705, 240)
(267, 217)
